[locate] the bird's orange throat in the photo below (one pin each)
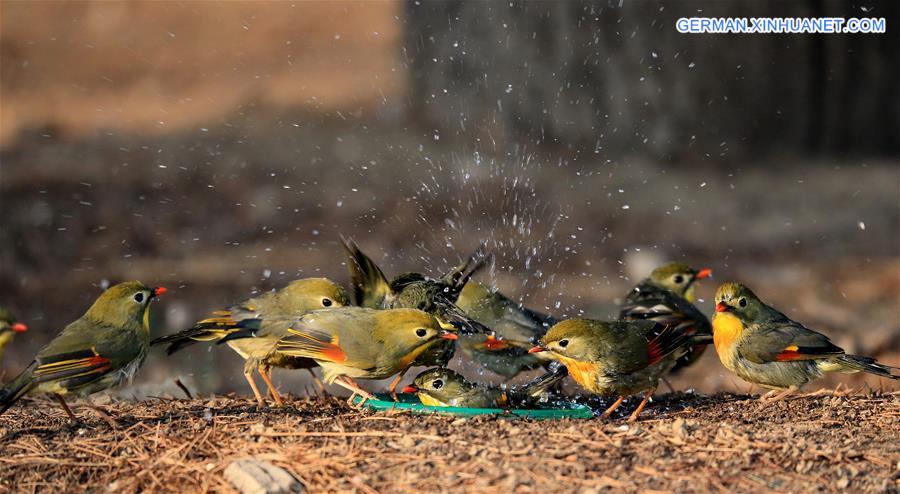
(584, 373)
(727, 329)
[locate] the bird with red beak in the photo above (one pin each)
(9, 326)
(101, 349)
(618, 358)
(667, 297)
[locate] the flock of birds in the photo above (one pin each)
(415, 320)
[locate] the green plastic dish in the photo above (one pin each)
(408, 402)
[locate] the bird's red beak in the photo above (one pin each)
(536, 349)
(704, 273)
(449, 336)
(159, 290)
(19, 327)
(412, 388)
(720, 307)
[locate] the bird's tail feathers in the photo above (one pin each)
(537, 389)
(17, 388)
(856, 363)
(457, 277)
(245, 329)
(212, 329)
(369, 284)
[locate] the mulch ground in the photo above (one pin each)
(826, 442)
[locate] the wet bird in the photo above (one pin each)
(765, 347)
(296, 298)
(103, 348)
(515, 330)
(440, 387)
(9, 326)
(667, 297)
(617, 358)
(351, 342)
(436, 296)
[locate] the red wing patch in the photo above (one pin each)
(788, 355)
(654, 352)
(313, 344)
(492, 344)
(72, 368)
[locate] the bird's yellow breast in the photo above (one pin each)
(727, 328)
(429, 401)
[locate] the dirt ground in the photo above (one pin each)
(830, 441)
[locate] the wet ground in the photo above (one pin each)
(687, 443)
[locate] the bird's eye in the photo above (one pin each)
(678, 279)
(563, 343)
(437, 384)
(742, 302)
(326, 302)
(421, 332)
(139, 297)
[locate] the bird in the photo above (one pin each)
(101, 349)
(296, 298)
(765, 347)
(436, 296)
(9, 326)
(350, 342)
(617, 358)
(441, 387)
(667, 297)
(515, 329)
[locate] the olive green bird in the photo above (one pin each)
(102, 349)
(9, 326)
(515, 330)
(440, 387)
(296, 298)
(619, 358)
(350, 342)
(765, 347)
(417, 291)
(667, 297)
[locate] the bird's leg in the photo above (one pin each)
(248, 373)
(264, 373)
(612, 409)
(784, 394)
(668, 384)
(396, 382)
(640, 408)
(62, 403)
(319, 383)
(347, 383)
(104, 414)
(767, 395)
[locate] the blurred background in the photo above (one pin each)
(220, 149)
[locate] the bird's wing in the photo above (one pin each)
(455, 279)
(85, 351)
(307, 341)
(785, 341)
(625, 347)
(370, 286)
(665, 340)
(522, 323)
(72, 369)
(664, 308)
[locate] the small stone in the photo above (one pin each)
(253, 476)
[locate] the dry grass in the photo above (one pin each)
(831, 441)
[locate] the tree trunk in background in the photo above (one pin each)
(617, 80)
